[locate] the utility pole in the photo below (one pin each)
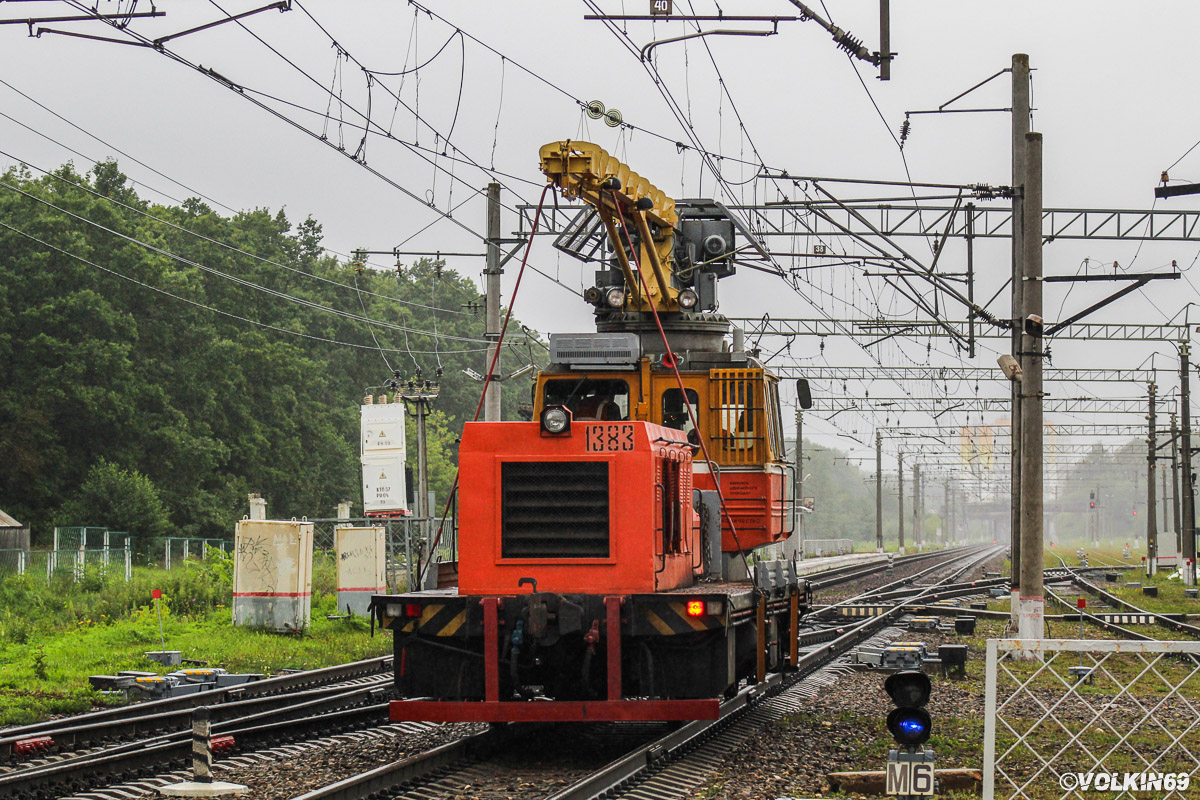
(1020, 127)
(1151, 505)
(1032, 599)
(947, 526)
(954, 515)
(878, 493)
(492, 271)
(792, 546)
(1176, 513)
(900, 496)
(1188, 484)
(419, 395)
(917, 507)
(1165, 503)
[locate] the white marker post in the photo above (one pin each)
(202, 783)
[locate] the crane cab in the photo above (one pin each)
(728, 401)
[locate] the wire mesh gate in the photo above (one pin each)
(1091, 716)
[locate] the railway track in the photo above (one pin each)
(821, 581)
(657, 766)
(143, 739)
(1111, 605)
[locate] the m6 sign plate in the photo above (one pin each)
(909, 778)
(610, 438)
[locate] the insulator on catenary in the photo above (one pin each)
(905, 128)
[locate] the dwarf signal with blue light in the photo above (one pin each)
(909, 772)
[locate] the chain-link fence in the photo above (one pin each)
(1084, 717)
(104, 563)
(81, 538)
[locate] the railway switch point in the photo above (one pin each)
(902, 658)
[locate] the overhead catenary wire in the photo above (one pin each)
(238, 89)
(136, 182)
(203, 306)
(707, 158)
(226, 245)
(360, 113)
(235, 279)
(488, 376)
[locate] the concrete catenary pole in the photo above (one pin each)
(1020, 127)
(1164, 502)
(1176, 510)
(793, 543)
(900, 497)
(917, 506)
(878, 493)
(1187, 484)
(1151, 505)
(1032, 599)
(492, 271)
(948, 535)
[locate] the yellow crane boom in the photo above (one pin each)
(623, 199)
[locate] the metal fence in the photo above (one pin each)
(814, 548)
(178, 549)
(68, 564)
(408, 540)
(1084, 717)
(80, 538)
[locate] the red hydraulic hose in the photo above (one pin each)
(488, 378)
(673, 362)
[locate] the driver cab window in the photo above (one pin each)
(590, 399)
(675, 413)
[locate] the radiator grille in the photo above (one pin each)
(554, 509)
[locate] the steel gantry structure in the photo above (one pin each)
(883, 329)
(1064, 405)
(956, 373)
(860, 220)
(1083, 429)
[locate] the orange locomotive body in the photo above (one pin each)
(603, 546)
(605, 507)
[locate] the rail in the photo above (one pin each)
(636, 763)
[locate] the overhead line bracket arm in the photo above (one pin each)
(283, 5)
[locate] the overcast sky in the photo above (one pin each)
(1113, 89)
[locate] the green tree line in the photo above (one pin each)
(146, 384)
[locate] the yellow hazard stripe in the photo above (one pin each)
(428, 612)
(453, 625)
(697, 623)
(657, 623)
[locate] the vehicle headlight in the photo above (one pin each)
(615, 297)
(688, 299)
(556, 420)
